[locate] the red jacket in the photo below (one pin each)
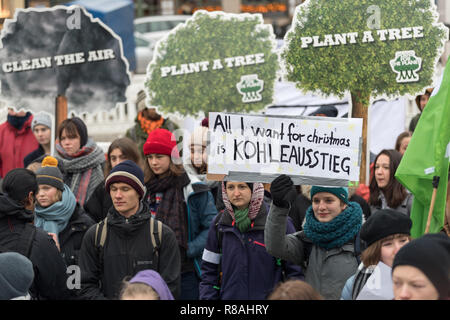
(15, 145)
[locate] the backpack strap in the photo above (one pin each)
(357, 248)
(156, 237)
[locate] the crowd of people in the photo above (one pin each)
(138, 224)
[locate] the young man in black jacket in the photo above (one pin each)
(127, 241)
(18, 234)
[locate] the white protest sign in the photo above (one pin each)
(378, 285)
(312, 150)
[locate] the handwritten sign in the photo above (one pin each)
(310, 149)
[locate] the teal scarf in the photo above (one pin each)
(56, 217)
(337, 232)
(242, 220)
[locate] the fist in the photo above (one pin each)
(283, 191)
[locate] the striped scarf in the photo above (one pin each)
(83, 170)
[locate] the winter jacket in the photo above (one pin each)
(49, 268)
(327, 270)
(201, 211)
(35, 154)
(71, 237)
(404, 207)
(99, 203)
(127, 250)
(15, 145)
(248, 271)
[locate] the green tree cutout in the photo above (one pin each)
(209, 37)
(361, 68)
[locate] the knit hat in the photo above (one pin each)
(154, 280)
(140, 101)
(16, 275)
(127, 172)
(199, 136)
(250, 185)
(384, 223)
(161, 141)
(341, 193)
(205, 122)
(82, 130)
(18, 183)
(41, 118)
(431, 255)
(50, 174)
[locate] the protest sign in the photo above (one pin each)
(312, 150)
(61, 51)
(215, 61)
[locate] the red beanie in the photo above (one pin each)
(161, 141)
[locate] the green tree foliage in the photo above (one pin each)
(361, 68)
(206, 37)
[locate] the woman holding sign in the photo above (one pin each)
(328, 246)
(385, 191)
(235, 263)
(385, 232)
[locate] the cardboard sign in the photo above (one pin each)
(62, 50)
(312, 150)
(215, 61)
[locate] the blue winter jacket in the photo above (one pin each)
(249, 272)
(201, 210)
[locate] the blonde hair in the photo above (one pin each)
(135, 289)
(294, 290)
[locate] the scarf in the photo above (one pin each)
(84, 169)
(149, 125)
(244, 221)
(56, 217)
(361, 277)
(171, 209)
(337, 232)
(18, 122)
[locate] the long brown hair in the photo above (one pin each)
(400, 138)
(371, 256)
(128, 148)
(394, 192)
(174, 170)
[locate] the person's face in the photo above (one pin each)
(47, 195)
(43, 134)
(404, 145)
(198, 155)
(390, 247)
(410, 283)
(239, 194)
(125, 199)
(116, 156)
(70, 145)
(159, 163)
(423, 101)
(326, 206)
(382, 171)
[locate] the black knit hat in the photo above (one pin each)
(82, 130)
(127, 172)
(18, 183)
(431, 255)
(49, 173)
(384, 223)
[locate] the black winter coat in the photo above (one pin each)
(49, 268)
(71, 238)
(127, 250)
(98, 204)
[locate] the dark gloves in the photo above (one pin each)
(283, 191)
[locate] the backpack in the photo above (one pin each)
(101, 231)
(219, 233)
(307, 248)
(24, 244)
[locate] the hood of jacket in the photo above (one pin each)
(10, 208)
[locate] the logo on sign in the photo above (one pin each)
(250, 87)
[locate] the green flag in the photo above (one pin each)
(426, 157)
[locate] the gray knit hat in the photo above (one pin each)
(16, 275)
(41, 118)
(50, 174)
